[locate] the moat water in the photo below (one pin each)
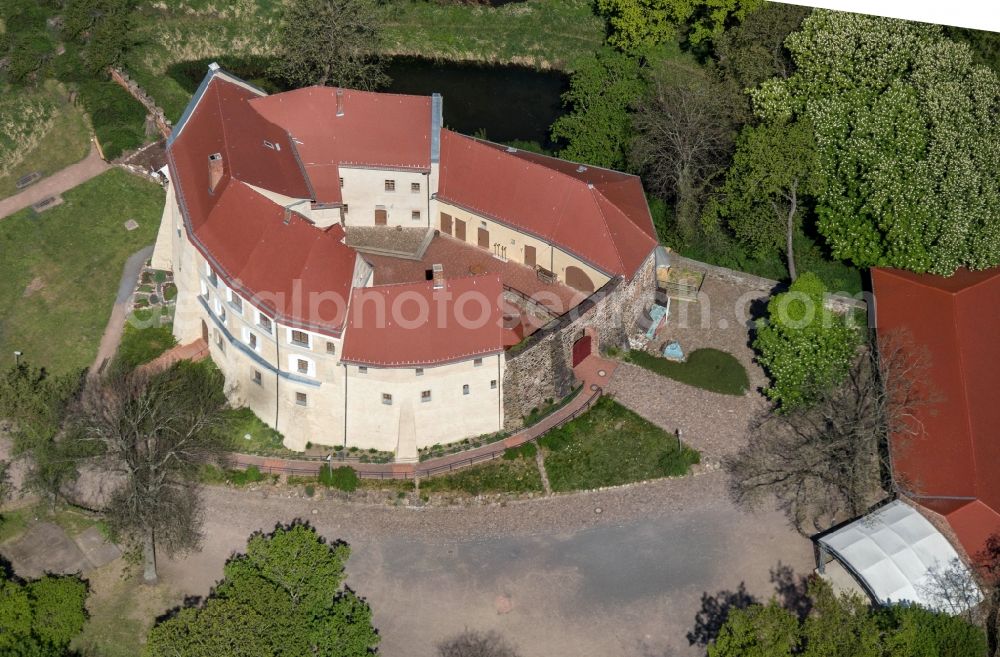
(499, 102)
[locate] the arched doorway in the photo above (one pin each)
(581, 349)
(578, 279)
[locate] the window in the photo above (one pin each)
(301, 399)
(387, 399)
(419, 371)
(236, 302)
(425, 396)
(390, 185)
(264, 322)
(414, 187)
(465, 389)
(493, 384)
(272, 146)
(362, 369)
(302, 366)
(252, 341)
(331, 347)
(258, 377)
(477, 363)
(204, 290)
(219, 341)
(344, 208)
(415, 215)
(482, 224)
(300, 338)
(341, 183)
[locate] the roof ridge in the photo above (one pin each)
(493, 275)
(360, 91)
(550, 157)
(594, 194)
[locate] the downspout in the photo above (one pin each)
(499, 393)
(427, 184)
(345, 405)
(277, 376)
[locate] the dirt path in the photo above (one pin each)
(59, 182)
(116, 323)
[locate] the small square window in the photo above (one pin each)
(253, 341)
(493, 384)
(419, 371)
(362, 369)
(414, 187)
(344, 208)
(302, 366)
(482, 224)
(478, 362)
(415, 215)
(387, 399)
(390, 185)
(331, 347)
(341, 183)
(258, 378)
(465, 389)
(236, 302)
(301, 398)
(300, 338)
(425, 396)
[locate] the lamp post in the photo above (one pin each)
(17, 358)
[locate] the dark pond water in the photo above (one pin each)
(504, 103)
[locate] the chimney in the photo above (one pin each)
(340, 102)
(438, 276)
(214, 171)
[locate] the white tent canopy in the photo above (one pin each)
(895, 552)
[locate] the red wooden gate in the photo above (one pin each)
(581, 349)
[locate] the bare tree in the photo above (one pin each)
(831, 460)
(685, 132)
(476, 644)
(152, 432)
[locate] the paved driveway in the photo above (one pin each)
(624, 581)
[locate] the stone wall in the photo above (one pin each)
(542, 368)
(137, 92)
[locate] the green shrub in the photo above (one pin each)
(119, 120)
(525, 451)
(343, 478)
(251, 475)
(140, 346)
(169, 292)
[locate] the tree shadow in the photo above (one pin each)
(792, 590)
(715, 611)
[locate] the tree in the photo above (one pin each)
(476, 644)
(828, 461)
(39, 618)
(685, 129)
(283, 597)
(102, 27)
(330, 42)
(597, 128)
(907, 132)
(638, 25)
(766, 186)
(153, 431)
(845, 626)
(804, 347)
(754, 50)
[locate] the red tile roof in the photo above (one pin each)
(957, 321)
(596, 214)
(413, 324)
(376, 130)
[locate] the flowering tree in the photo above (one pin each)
(907, 131)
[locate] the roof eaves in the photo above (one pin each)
(195, 100)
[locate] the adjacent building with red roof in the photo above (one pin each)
(359, 271)
(951, 465)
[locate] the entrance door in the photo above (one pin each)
(484, 238)
(446, 223)
(204, 331)
(460, 229)
(529, 256)
(381, 217)
(581, 349)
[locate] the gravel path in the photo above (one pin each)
(613, 572)
(59, 182)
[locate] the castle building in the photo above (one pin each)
(364, 276)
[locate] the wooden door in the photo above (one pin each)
(381, 217)
(581, 349)
(446, 223)
(529, 256)
(460, 229)
(484, 238)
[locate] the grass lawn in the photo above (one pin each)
(709, 369)
(507, 475)
(52, 145)
(242, 422)
(140, 346)
(60, 270)
(608, 446)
